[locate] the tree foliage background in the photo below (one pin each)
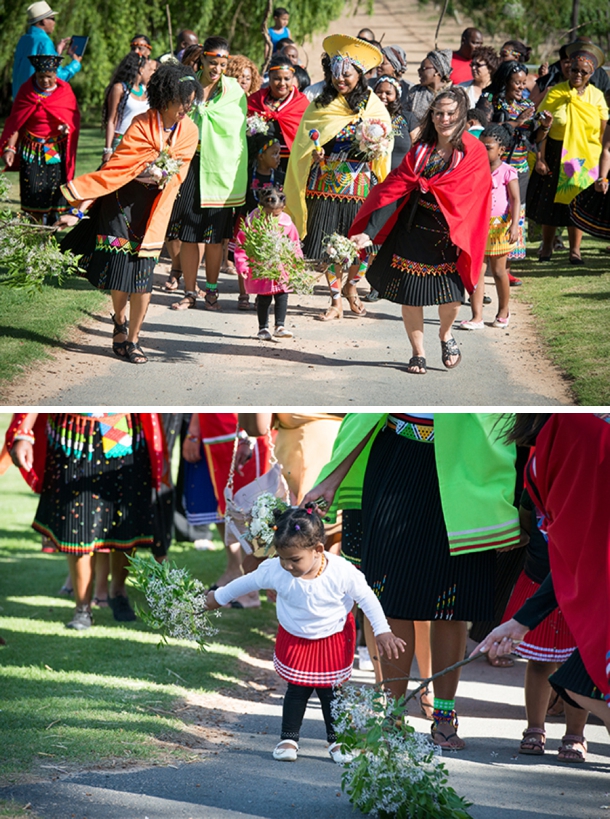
(542, 24)
(111, 24)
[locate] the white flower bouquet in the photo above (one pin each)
(175, 599)
(340, 250)
(163, 168)
(373, 138)
(396, 772)
(261, 528)
(256, 124)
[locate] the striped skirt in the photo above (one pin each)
(590, 211)
(498, 242)
(551, 641)
(320, 663)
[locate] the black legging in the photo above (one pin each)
(295, 703)
(263, 305)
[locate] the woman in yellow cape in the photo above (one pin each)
(568, 158)
(328, 177)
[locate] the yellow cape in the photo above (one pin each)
(328, 121)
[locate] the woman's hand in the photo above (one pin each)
(601, 185)
(210, 601)
(500, 641)
(526, 115)
(243, 454)
(546, 120)
(8, 157)
(22, 455)
(389, 645)
(544, 69)
(67, 220)
(361, 240)
(191, 449)
(541, 167)
(322, 495)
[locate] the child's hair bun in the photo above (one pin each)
(271, 197)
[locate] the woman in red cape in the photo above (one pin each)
(95, 473)
(568, 476)
(429, 215)
(40, 137)
(281, 104)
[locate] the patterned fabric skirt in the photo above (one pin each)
(416, 265)
(498, 243)
(190, 222)
(42, 170)
(552, 640)
(405, 550)
(519, 251)
(95, 500)
(109, 240)
(590, 211)
(540, 201)
(322, 663)
(573, 676)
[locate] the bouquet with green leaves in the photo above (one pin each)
(271, 254)
(396, 772)
(29, 253)
(175, 599)
(340, 250)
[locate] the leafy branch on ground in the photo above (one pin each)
(176, 600)
(30, 255)
(396, 772)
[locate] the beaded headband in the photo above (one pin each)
(393, 81)
(217, 54)
(268, 143)
(287, 67)
(341, 63)
(585, 57)
(188, 78)
(138, 43)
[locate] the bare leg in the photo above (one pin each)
(369, 639)
(137, 313)
(537, 692)
(413, 319)
(424, 662)
(548, 236)
(102, 570)
(81, 572)
(448, 644)
(476, 298)
(575, 236)
(173, 248)
(120, 301)
(498, 271)
(190, 258)
(448, 314)
(401, 667)
(597, 707)
(119, 567)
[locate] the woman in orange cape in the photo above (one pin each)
(134, 193)
(428, 216)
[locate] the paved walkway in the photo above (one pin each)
(241, 780)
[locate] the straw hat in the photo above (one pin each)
(39, 11)
(360, 53)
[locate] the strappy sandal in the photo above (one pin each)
(417, 361)
(210, 300)
(243, 302)
(426, 708)
(568, 753)
(449, 349)
(355, 305)
(173, 280)
(118, 347)
(134, 353)
(446, 741)
(332, 313)
(189, 302)
(533, 742)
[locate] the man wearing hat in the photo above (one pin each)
(37, 40)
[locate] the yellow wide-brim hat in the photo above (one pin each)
(363, 55)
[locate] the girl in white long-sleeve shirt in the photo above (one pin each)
(315, 643)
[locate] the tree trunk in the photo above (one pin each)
(575, 14)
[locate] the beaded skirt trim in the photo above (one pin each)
(74, 434)
(413, 430)
(421, 268)
(117, 244)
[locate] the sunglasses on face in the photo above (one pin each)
(478, 65)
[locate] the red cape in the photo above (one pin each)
(568, 477)
(151, 426)
(288, 116)
(61, 105)
(219, 453)
(463, 195)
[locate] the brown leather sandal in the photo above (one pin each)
(533, 742)
(568, 753)
(333, 312)
(355, 305)
(189, 302)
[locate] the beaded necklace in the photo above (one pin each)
(139, 93)
(322, 565)
(254, 183)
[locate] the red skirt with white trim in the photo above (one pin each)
(552, 640)
(320, 663)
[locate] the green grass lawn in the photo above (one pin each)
(32, 326)
(571, 306)
(71, 699)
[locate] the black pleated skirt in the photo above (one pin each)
(573, 676)
(590, 211)
(351, 536)
(98, 503)
(540, 201)
(39, 182)
(405, 550)
(326, 216)
(190, 222)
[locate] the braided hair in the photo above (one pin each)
(502, 133)
(125, 73)
(172, 82)
(298, 527)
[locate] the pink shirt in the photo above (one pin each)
(265, 287)
(499, 191)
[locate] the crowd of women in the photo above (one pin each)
(425, 506)
(194, 147)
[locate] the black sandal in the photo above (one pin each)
(173, 281)
(118, 347)
(449, 349)
(134, 353)
(210, 300)
(417, 361)
(188, 302)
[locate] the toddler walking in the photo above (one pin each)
(316, 639)
(271, 201)
(503, 228)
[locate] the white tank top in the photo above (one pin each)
(133, 107)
